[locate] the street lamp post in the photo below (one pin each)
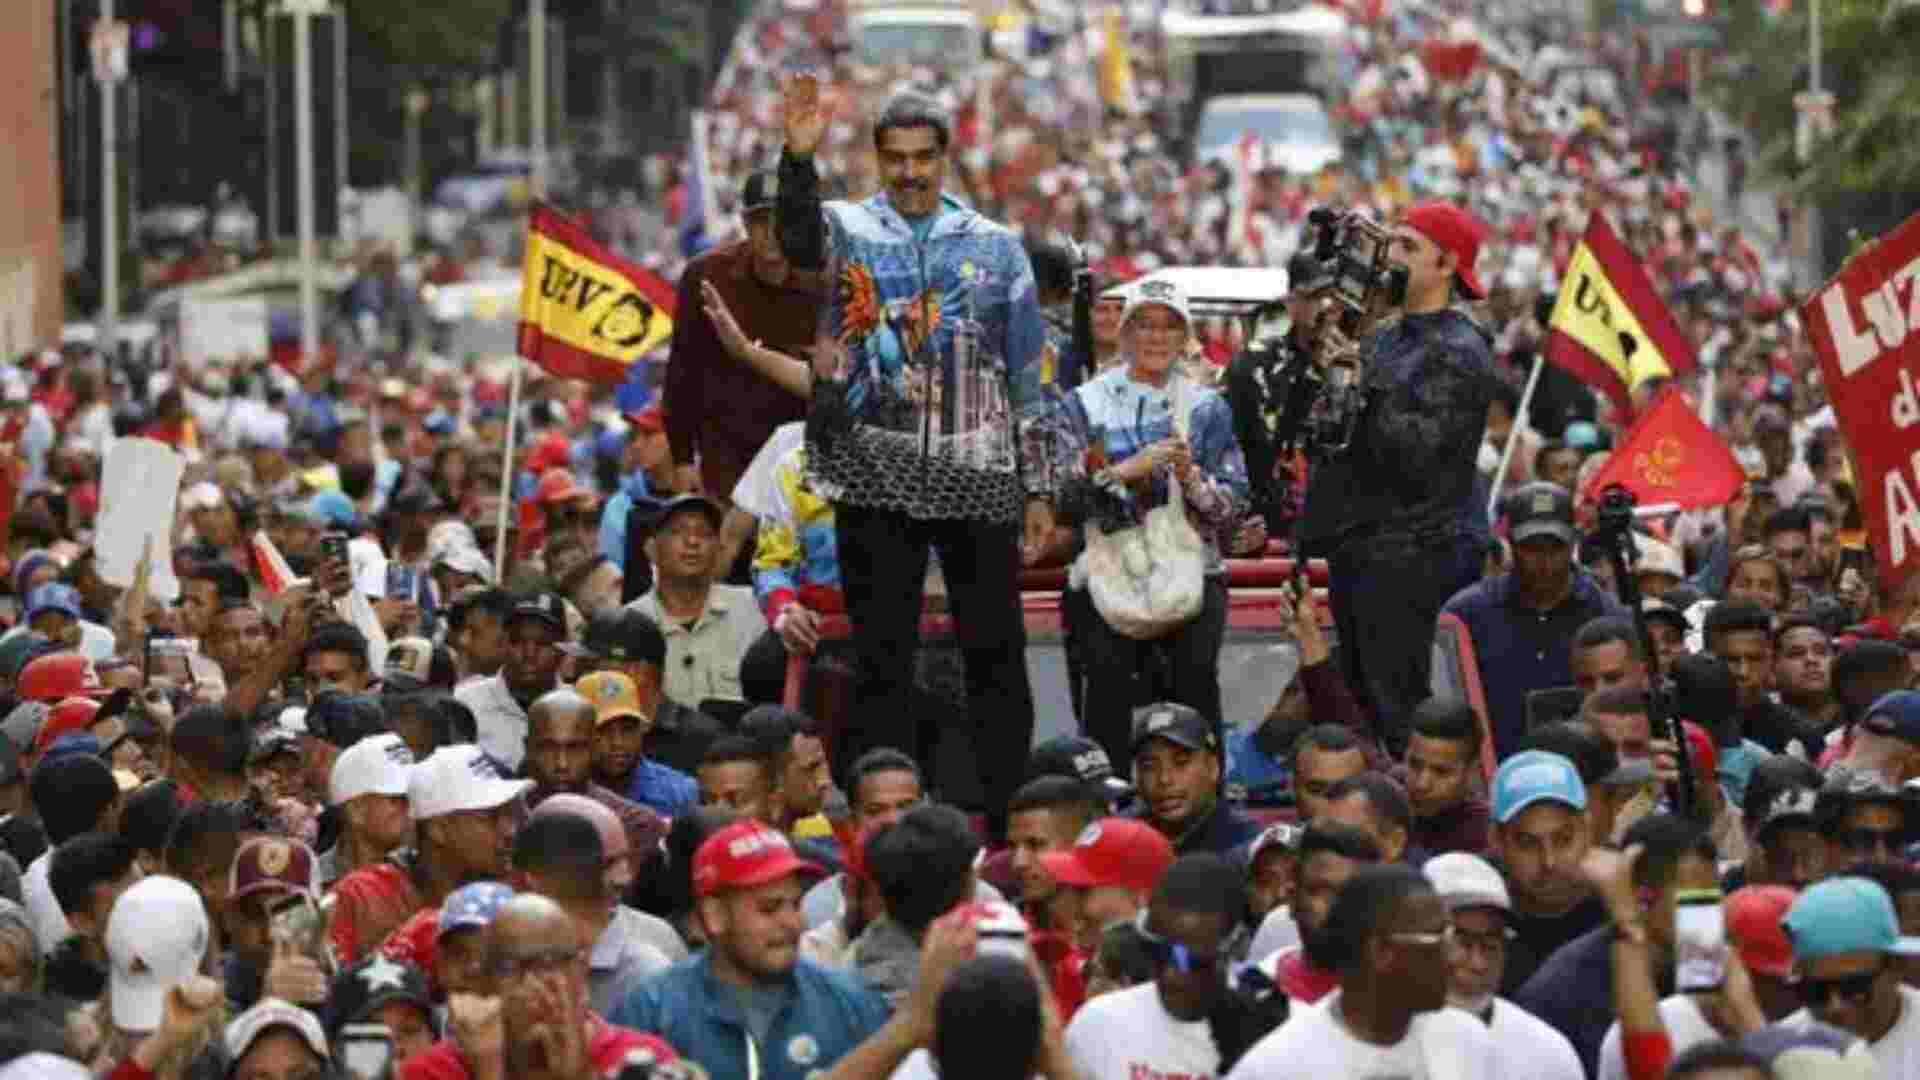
(302, 12)
(537, 94)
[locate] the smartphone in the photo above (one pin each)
(297, 921)
(169, 658)
(333, 545)
(403, 582)
(1699, 941)
(366, 1050)
(1553, 705)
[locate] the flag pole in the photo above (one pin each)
(506, 475)
(1513, 439)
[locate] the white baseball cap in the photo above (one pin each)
(273, 1013)
(376, 765)
(1465, 880)
(457, 778)
(1162, 291)
(157, 939)
(1658, 558)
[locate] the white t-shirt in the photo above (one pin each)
(36, 894)
(1898, 1052)
(1686, 1025)
(1277, 931)
(1314, 1044)
(1525, 1045)
(1129, 1035)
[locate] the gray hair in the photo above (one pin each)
(913, 109)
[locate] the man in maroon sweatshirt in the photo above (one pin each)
(719, 410)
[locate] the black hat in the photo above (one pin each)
(1541, 509)
(761, 190)
(622, 635)
(1656, 609)
(1703, 691)
(682, 503)
(1795, 805)
(1175, 723)
(376, 981)
(545, 606)
(1075, 757)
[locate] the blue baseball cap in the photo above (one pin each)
(331, 509)
(1846, 915)
(1895, 715)
(1535, 776)
(54, 597)
(471, 905)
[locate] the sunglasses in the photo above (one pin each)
(1893, 840)
(1167, 953)
(1814, 992)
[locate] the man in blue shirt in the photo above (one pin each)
(645, 748)
(1523, 623)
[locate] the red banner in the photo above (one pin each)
(1863, 324)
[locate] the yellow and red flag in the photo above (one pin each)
(1669, 456)
(586, 313)
(1609, 328)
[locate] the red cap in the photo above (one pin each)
(551, 452)
(1112, 851)
(744, 855)
(1456, 232)
(1700, 750)
(558, 485)
(57, 676)
(652, 420)
(272, 864)
(73, 714)
(1756, 925)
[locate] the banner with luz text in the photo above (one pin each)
(586, 313)
(1865, 327)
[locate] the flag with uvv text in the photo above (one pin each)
(1609, 328)
(586, 313)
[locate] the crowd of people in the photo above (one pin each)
(674, 786)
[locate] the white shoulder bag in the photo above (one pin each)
(1150, 579)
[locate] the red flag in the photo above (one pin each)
(1669, 456)
(272, 567)
(586, 313)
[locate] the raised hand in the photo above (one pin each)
(805, 113)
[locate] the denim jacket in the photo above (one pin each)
(827, 1015)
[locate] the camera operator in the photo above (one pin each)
(1256, 387)
(1394, 512)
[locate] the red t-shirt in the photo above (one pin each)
(607, 1049)
(369, 904)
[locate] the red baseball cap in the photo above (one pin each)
(1701, 753)
(73, 714)
(1756, 925)
(1112, 852)
(744, 855)
(57, 676)
(652, 420)
(1456, 232)
(558, 485)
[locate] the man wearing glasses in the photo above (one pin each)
(541, 1026)
(1845, 941)
(1159, 1028)
(1389, 1016)
(1477, 910)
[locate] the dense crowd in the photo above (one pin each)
(623, 753)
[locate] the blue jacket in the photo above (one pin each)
(942, 342)
(828, 1015)
(1521, 650)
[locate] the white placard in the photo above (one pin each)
(139, 486)
(226, 328)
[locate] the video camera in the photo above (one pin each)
(1351, 279)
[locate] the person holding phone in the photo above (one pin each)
(385, 1002)
(273, 925)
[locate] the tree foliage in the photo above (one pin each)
(431, 34)
(1867, 63)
